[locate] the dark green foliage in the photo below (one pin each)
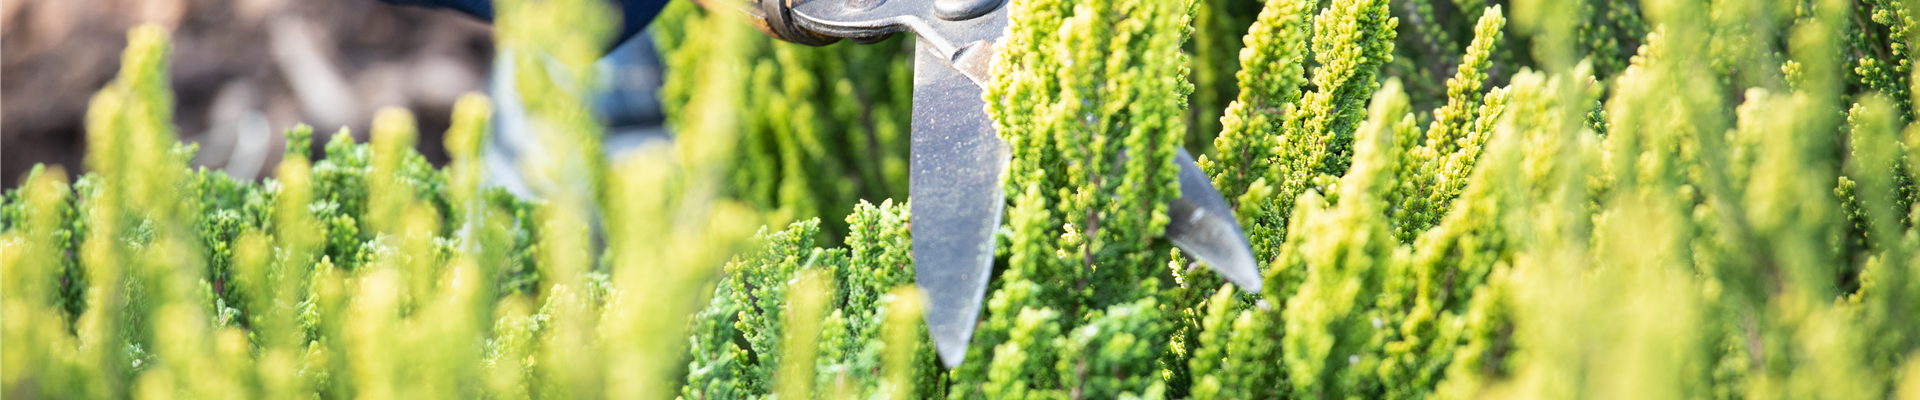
(827, 127)
(737, 338)
(1614, 30)
(1882, 40)
(1216, 47)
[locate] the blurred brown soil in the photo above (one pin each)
(242, 71)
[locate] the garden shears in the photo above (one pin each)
(959, 163)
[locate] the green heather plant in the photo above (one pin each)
(369, 273)
(1450, 199)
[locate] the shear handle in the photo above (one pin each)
(771, 17)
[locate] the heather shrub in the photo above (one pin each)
(1529, 199)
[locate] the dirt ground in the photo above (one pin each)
(242, 70)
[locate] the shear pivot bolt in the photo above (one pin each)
(961, 10)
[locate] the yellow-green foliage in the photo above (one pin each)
(369, 274)
(1668, 199)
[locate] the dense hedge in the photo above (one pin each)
(1663, 199)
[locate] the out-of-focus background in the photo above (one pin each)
(243, 71)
